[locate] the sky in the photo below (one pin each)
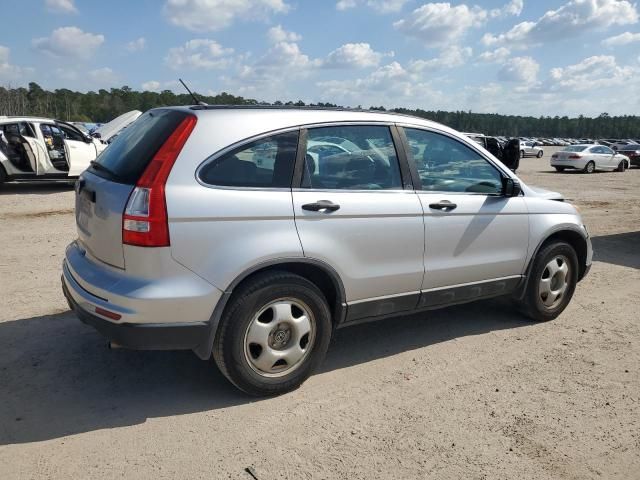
(523, 57)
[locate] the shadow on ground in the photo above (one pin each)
(58, 378)
(36, 188)
(620, 249)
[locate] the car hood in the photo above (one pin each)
(113, 128)
(543, 193)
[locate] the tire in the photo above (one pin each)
(559, 169)
(3, 175)
(539, 154)
(279, 360)
(590, 167)
(621, 166)
(541, 301)
(521, 153)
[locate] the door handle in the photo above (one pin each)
(321, 206)
(443, 205)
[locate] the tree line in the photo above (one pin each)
(104, 105)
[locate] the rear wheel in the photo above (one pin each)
(590, 167)
(274, 333)
(559, 169)
(521, 153)
(551, 283)
(540, 153)
(3, 176)
(621, 166)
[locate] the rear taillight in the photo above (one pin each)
(554, 155)
(144, 222)
(573, 157)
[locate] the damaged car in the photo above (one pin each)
(43, 149)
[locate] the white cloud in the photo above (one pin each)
(498, 55)
(278, 34)
(69, 42)
(151, 86)
(199, 53)
(520, 70)
(513, 8)
(209, 15)
(136, 45)
(599, 71)
(390, 84)
(354, 55)
(380, 6)
(439, 24)
(450, 57)
(103, 76)
(573, 18)
(622, 39)
(8, 71)
(61, 6)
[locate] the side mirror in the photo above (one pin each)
(511, 187)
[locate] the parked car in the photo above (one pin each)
(589, 158)
(43, 149)
(530, 149)
(185, 242)
(632, 151)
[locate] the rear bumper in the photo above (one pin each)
(146, 336)
(575, 164)
(170, 312)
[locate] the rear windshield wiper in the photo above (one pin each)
(98, 166)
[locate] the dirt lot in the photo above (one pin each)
(468, 392)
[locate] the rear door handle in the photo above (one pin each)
(321, 206)
(443, 205)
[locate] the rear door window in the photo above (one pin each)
(129, 154)
(264, 163)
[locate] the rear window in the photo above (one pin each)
(574, 148)
(125, 158)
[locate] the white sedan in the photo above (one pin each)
(589, 158)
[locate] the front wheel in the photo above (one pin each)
(551, 283)
(274, 333)
(521, 153)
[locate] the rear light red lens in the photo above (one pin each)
(574, 156)
(144, 222)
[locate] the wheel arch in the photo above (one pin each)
(569, 234)
(318, 272)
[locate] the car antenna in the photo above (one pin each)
(195, 99)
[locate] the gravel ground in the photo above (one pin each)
(472, 391)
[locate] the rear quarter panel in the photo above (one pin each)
(219, 233)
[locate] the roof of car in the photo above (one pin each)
(308, 114)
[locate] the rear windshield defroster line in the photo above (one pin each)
(125, 159)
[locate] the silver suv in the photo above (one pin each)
(253, 233)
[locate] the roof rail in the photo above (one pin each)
(304, 107)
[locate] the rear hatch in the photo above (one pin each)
(102, 191)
